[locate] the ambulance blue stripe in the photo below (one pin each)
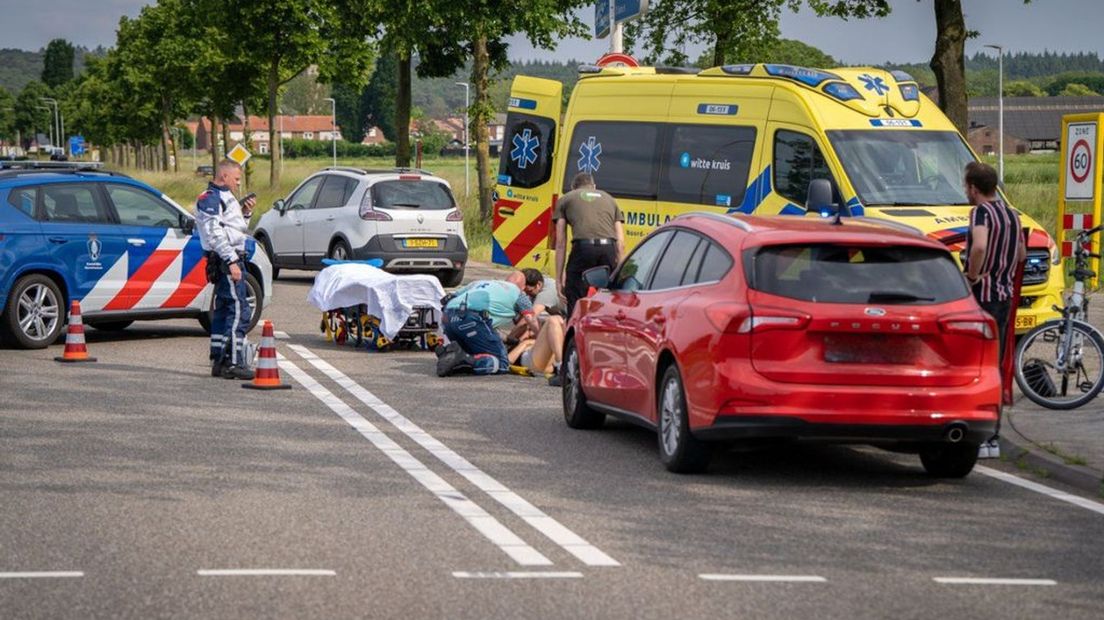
(498, 255)
(792, 209)
(756, 193)
(855, 206)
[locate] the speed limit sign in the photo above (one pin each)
(1080, 161)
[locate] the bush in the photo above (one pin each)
(324, 148)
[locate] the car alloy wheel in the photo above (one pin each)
(38, 312)
(571, 380)
(670, 414)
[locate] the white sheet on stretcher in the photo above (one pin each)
(388, 297)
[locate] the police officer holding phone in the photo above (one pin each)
(598, 236)
(222, 224)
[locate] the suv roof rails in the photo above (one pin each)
(12, 168)
(379, 170)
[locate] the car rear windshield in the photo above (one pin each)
(857, 274)
(424, 195)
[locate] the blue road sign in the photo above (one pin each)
(626, 10)
(76, 145)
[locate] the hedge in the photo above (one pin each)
(324, 148)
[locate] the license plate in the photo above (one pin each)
(870, 349)
(1026, 322)
(421, 243)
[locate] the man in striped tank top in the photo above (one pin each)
(994, 247)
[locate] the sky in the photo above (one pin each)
(907, 35)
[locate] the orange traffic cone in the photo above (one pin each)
(266, 376)
(75, 349)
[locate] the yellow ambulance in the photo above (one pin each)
(741, 139)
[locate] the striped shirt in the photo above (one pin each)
(998, 268)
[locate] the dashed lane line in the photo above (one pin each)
(519, 575)
(993, 581)
(475, 515)
(265, 572)
(1087, 504)
(553, 529)
(763, 578)
(41, 574)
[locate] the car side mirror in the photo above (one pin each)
(598, 277)
(187, 224)
(819, 198)
(280, 206)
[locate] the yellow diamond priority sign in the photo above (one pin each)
(239, 154)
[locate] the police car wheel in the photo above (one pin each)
(35, 312)
(255, 302)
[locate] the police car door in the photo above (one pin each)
(524, 194)
(158, 265)
(84, 241)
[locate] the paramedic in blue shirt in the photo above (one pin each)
(471, 320)
(223, 227)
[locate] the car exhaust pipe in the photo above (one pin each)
(956, 432)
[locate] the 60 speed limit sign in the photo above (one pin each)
(1080, 161)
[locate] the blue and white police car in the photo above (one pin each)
(120, 247)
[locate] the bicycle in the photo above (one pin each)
(1060, 364)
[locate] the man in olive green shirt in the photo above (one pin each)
(597, 236)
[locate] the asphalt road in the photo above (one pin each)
(388, 492)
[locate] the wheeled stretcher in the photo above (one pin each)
(365, 306)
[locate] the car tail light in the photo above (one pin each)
(970, 325)
(371, 215)
(770, 318)
(726, 315)
(455, 216)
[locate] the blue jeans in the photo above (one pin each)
(229, 320)
(475, 334)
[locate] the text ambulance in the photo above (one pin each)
(742, 139)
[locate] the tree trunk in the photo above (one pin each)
(719, 49)
(165, 134)
(212, 141)
(949, 62)
(247, 140)
(482, 113)
(273, 91)
(225, 137)
(402, 113)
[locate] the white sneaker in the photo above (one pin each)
(983, 451)
(994, 449)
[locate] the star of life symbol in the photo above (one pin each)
(875, 84)
(588, 155)
(525, 148)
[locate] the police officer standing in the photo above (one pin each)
(598, 236)
(223, 226)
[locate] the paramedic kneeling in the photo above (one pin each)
(471, 317)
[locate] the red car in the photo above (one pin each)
(723, 328)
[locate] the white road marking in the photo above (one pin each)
(281, 335)
(518, 575)
(553, 529)
(262, 572)
(994, 581)
(471, 512)
(41, 574)
(1087, 504)
(774, 578)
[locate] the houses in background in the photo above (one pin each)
(1031, 124)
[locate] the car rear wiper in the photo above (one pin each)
(891, 296)
(412, 205)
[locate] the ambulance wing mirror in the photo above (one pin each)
(819, 198)
(598, 277)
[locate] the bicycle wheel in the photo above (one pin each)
(1057, 378)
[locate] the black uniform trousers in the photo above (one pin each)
(585, 256)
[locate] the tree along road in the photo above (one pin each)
(140, 487)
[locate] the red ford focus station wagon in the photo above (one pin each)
(721, 328)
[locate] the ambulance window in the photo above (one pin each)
(797, 160)
(527, 150)
(708, 165)
(621, 156)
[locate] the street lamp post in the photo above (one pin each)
(52, 127)
(333, 129)
(1000, 111)
(56, 125)
(467, 92)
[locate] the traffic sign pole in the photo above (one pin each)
(1079, 181)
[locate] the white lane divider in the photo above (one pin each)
(993, 581)
(471, 512)
(1087, 504)
(553, 529)
(265, 572)
(281, 335)
(41, 574)
(519, 575)
(763, 578)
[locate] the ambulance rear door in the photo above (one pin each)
(524, 194)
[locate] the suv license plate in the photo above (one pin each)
(421, 243)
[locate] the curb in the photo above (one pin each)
(1017, 448)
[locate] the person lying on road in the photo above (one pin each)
(542, 355)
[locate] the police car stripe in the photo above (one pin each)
(107, 286)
